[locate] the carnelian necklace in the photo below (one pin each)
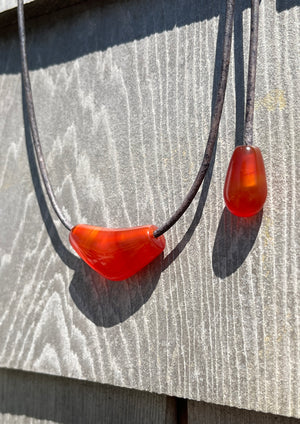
(119, 253)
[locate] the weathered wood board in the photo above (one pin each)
(123, 97)
(10, 4)
(204, 413)
(31, 398)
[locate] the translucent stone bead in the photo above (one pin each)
(116, 253)
(245, 188)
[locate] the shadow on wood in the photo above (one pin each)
(282, 5)
(27, 395)
(125, 22)
(103, 302)
(190, 11)
(207, 413)
(106, 303)
(206, 183)
(234, 240)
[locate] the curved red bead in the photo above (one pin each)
(116, 253)
(245, 188)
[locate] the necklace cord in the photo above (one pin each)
(248, 129)
(217, 112)
(32, 119)
(215, 122)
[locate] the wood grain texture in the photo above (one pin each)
(8, 5)
(31, 398)
(36, 8)
(11, 4)
(123, 97)
(33, 9)
(204, 413)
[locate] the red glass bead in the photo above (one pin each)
(245, 188)
(116, 253)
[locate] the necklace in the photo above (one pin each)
(245, 188)
(119, 253)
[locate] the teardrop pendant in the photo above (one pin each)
(245, 188)
(116, 253)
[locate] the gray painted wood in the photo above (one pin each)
(204, 413)
(31, 398)
(11, 4)
(123, 97)
(35, 8)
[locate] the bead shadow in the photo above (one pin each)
(234, 240)
(87, 287)
(105, 303)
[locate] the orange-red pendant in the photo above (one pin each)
(245, 188)
(116, 253)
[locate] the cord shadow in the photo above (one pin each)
(173, 255)
(105, 303)
(235, 236)
(65, 255)
(234, 240)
